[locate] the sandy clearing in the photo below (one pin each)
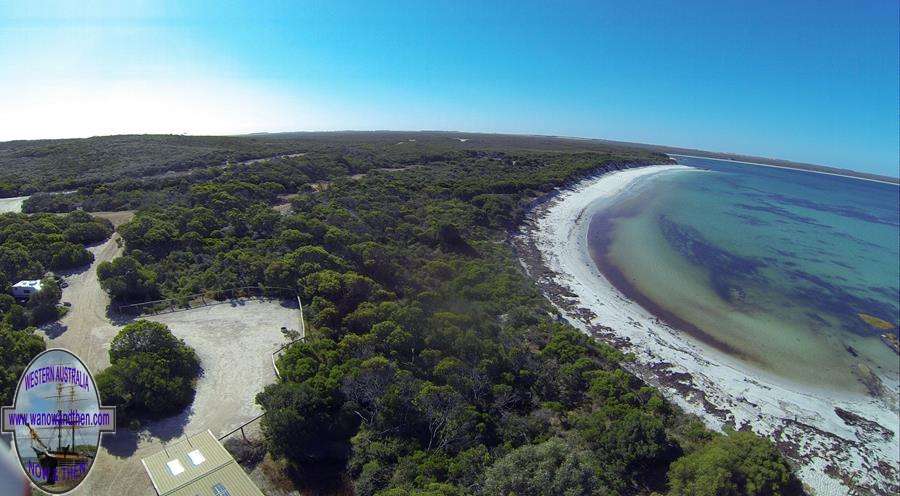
(117, 218)
(266, 159)
(179, 173)
(320, 186)
(284, 203)
(12, 204)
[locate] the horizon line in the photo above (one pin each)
(675, 150)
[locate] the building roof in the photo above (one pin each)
(198, 465)
(36, 284)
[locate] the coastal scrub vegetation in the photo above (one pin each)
(151, 372)
(57, 165)
(734, 464)
(432, 364)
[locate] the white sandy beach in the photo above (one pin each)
(829, 450)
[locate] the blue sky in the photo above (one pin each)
(809, 81)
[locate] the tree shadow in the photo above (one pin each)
(118, 318)
(73, 271)
(124, 442)
(96, 244)
(170, 428)
(289, 303)
(320, 478)
(54, 330)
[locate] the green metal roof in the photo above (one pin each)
(179, 471)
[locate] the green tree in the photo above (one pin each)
(84, 229)
(306, 422)
(17, 348)
(152, 338)
(67, 255)
(43, 304)
(630, 443)
(17, 317)
(738, 464)
(126, 279)
(552, 468)
(151, 372)
(444, 415)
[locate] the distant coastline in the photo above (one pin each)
(860, 176)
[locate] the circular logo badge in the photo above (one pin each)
(56, 421)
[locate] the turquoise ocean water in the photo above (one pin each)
(772, 266)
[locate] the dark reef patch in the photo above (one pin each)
(831, 298)
(749, 219)
(842, 210)
(889, 292)
(728, 272)
(842, 264)
(782, 212)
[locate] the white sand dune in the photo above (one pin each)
(832, 453)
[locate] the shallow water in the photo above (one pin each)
(772, 266)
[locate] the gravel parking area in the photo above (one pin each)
(234, 341)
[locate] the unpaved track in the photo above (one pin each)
(85, 330)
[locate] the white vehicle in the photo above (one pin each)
(26, 289)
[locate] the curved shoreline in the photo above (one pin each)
(810, 427)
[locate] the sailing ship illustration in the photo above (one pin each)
(67, 460)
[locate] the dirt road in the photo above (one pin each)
(85, 330)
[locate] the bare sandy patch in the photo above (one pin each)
(12, 204)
